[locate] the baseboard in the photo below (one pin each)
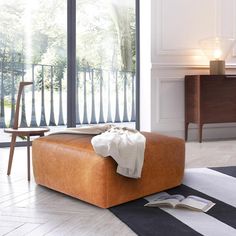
(209, 133)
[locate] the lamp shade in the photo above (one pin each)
(217, 48)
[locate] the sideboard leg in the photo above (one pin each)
(186, 130)
(200, 132)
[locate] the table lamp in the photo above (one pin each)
(217, 49)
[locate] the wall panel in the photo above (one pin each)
(176, 28)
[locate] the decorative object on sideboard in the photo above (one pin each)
(217, 49)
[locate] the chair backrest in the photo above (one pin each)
(16, 116)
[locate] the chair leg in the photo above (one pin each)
(12, 147)
(28, 156)
(200, 132)
(186, 130)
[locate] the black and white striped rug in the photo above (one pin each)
(215, 184)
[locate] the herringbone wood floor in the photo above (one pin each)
(28, 209)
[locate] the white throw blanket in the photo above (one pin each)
(126, 146)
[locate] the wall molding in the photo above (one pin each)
(160, 48)
(187, 66)
(161, 51)
(160, 118)
(234, 27)
(175, 52)
(213, 133)
(209, 133)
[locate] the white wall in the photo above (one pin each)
(170, 34)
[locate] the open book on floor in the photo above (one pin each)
(177, 200)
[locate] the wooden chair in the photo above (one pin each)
(27, 132)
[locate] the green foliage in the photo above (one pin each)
(7, 104)
(35, 32)
(106, 34)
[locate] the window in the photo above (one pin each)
(33, 47)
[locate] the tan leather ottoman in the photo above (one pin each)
(67, 163)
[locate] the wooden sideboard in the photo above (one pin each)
(209, 99)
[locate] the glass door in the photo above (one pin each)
(106, 61)
(33, 48)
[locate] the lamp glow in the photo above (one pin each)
(217, 49)
(217, 54)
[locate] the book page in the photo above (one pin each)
(192, 202)
(196, 203)
(166, 202)
(165, 199)
(164, 196)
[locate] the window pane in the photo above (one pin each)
(33, 48)
(105, 61)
